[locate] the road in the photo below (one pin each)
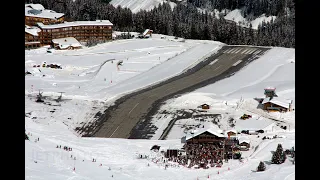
(130, 116)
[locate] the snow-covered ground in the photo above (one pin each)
(85, 78)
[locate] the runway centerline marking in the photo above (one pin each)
(213, 61)
(114, 132)
(133, 108)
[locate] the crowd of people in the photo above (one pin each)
(202, 155)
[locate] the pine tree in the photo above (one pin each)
(26, 137)
(261, 167)
(276, 158)
(279, 156)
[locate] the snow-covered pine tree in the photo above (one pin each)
(261, 167)
(279, 148)
(279, 156)
(276, 158)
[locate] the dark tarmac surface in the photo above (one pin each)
(130, 116)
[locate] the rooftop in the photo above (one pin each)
(211, 131)
(253, 124)
(37, 10)
(230, 130)
(278, 101)
(76, 23)
(243, 139)
(32, 30)
(66, 42)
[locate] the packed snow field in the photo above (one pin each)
(92, 80)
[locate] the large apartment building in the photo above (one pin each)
(43, 25)
(81, 30)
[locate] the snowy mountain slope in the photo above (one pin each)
(237, 16)
(137, 5)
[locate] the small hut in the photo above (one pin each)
(205, 106)
(155, 148)
(244, 144)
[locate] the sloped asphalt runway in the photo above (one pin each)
(130, 116)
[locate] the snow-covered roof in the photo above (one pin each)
(33, 42)
(231, 130)
(37, 10)
(145, 32)
(76, 23)
(254, 124)
(211, 131)
(64, 43)
(271, 88)
(278, 101)
(32, 30)
(35, 6)
(243, 139)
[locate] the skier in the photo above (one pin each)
(38, 139)
(71, 155)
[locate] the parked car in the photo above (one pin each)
(50, 50)
(260, 131)
(245, 116)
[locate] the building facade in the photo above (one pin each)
(83, 31)
(31, 37)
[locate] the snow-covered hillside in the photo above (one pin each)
(237, 16)
(137, 5)
(92, 80)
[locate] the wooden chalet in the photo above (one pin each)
(66, 43)
(276, 104)
(83, 31)
(244, 143)
(205, 136)
(35, 13)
